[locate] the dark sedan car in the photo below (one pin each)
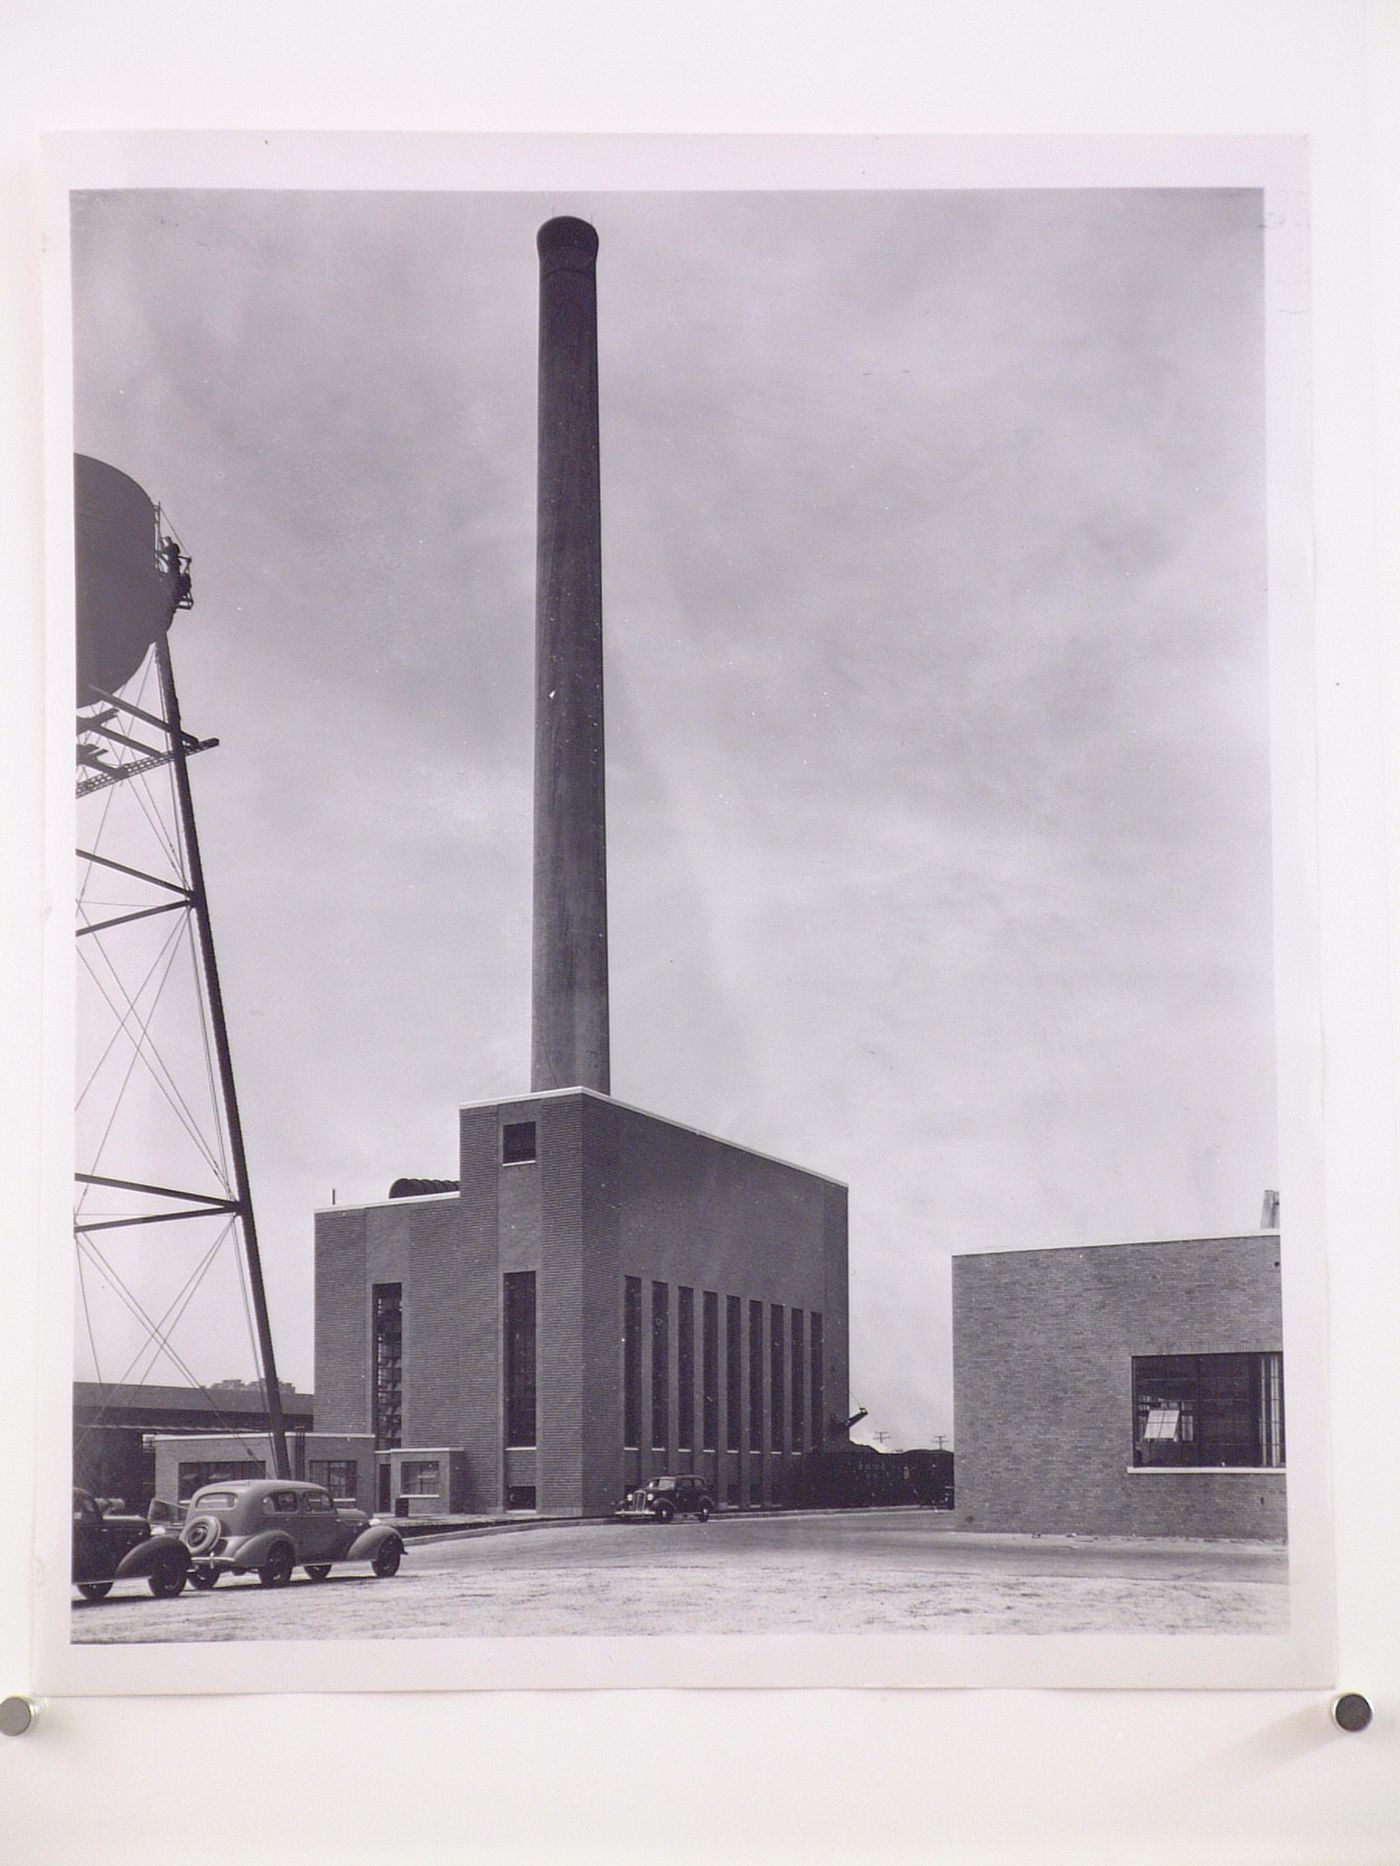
(665, 1498)
(109, 1546)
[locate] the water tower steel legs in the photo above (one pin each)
(570, 972)
(242, 1192)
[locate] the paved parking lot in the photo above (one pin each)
(870, 1571)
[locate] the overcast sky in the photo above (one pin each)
(933, 532)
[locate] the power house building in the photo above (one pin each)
(606, 1296)
(602, 1294)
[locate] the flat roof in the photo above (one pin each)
(534, 1095)
(119, 1395)
(1059, 1250)
(406, 1198)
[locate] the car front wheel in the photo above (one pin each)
(704, 1512)
(664, 1512)
(318, 1570)
(276, 1571)
(94, 1590)
(167, 1579)
(203, 1577)
(387, 1558)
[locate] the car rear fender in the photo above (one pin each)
(253, 1551)
(369, 1542)
(154, 1552)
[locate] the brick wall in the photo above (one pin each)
(1043, 1343)
(341, 1321)
(694, 1211)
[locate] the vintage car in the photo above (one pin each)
(664, 1498)
(109, 1546)
(268, 1526)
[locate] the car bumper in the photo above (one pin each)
(226, 1561)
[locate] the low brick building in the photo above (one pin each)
(1122, 1389)
(185, 1462)
(115, 1427)
(603, 1295)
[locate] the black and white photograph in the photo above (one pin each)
(685, 1025)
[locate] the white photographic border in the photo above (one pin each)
(1303, 1656)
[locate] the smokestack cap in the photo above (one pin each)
(567, 237)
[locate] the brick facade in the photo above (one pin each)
(611, 1193)
(1043, 1346)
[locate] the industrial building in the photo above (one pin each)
(606, 1296)
(1122, 1389)
(117, 1426)
(602, 1294)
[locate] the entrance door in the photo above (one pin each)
(383, 1503)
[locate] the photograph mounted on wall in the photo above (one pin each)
(683, 923)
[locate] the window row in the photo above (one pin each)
(337, 1475)
(776, 1363)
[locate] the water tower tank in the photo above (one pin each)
(129, 584)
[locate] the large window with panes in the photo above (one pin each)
(337, 1474)
(818, 1395)
(685, 1368)
(777, 1432)
(388, 1365)
(196, 1475)
(1208, 1410)
(660, 1366)
(519, 1357)
(799, 1382)
(709, 1371)
(755, 1376)
(632, 1361)
(733, 1372)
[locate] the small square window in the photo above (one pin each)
(520, 1497)
(517, 1143)
(420, 1477)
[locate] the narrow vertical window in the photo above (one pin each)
(388, 1365)
(799, 1383)
(755, 1376)
(631, 1361)
(777, 1433)
(519, 1357)
(685, 1368)
(733, 1373)
(818, 1384)
(709, 1372)
(660, 1366)
(1271, 1409)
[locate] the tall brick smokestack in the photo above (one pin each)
(570, 983)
